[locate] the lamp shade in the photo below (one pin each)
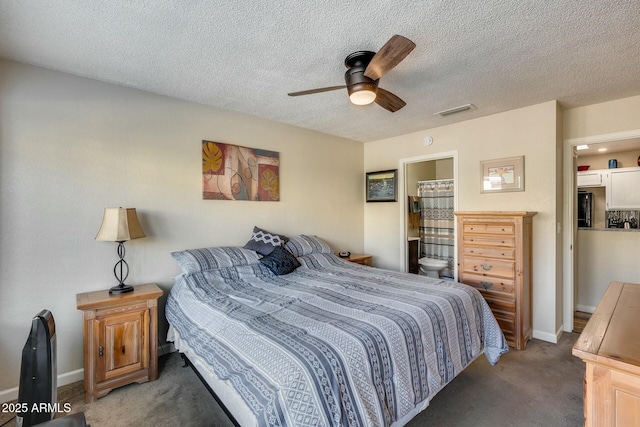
(119, 225)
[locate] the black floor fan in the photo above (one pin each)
(37, 395)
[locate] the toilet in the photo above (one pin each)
(432, 267)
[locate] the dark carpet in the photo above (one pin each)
(540, 386)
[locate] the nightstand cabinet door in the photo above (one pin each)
(122, 347)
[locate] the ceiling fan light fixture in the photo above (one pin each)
(362, 97)
(362, 91)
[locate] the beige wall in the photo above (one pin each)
(600, 256)
(69, 147)
(531, 132)
(604, 256)
(599, 119)
(625, 159)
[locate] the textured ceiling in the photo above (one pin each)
(247, 55)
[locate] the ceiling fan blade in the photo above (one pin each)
(311, 91)
(389, 55)
(389, 101)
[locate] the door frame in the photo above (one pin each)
(402, 198)
(571, 223)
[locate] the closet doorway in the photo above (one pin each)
(441, 167)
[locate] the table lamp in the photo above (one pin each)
(120, 225)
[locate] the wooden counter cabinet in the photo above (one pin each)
(120, 338)
(610, 347)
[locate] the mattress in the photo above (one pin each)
(331, 344)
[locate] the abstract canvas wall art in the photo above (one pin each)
(231, 172)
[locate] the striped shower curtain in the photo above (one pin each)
(437, 222)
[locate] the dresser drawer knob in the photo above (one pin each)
(486, 267)
(486, 285)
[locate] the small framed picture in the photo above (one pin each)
(382, 186)
(502, 175)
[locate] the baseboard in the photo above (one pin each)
(166, 348)
(546, 336)
(585, 308)
(73, 376)
(8, 394)
(63, 379)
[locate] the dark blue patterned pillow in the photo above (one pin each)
(280, 261)
(263, 241)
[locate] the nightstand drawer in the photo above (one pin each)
(120, 309)
(489, 267)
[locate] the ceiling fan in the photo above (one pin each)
(364, 69)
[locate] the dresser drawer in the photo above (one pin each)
(504, 310)
(489, 267)
(488, 228)
(490, 251)
(488, 240)
(508, 325)
(498, 305)
(490, 285)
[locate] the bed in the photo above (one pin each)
(304, 338)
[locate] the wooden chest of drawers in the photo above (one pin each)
(494, 256)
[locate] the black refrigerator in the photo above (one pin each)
(585, 209)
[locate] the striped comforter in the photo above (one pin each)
(333, 343)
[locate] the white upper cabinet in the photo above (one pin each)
(594, 178)
(623, 188)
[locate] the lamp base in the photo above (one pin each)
(121, 289)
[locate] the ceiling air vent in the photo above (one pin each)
(459, 109)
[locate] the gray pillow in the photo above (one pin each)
(280, 261)
(303, 245)
(204, 259)
(263, 241)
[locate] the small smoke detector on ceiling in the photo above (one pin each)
(465, 107)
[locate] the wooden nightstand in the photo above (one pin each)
(120, 338)
(359, 259)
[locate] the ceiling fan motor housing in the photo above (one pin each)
(354, 76)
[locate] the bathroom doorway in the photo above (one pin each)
(440, 167)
